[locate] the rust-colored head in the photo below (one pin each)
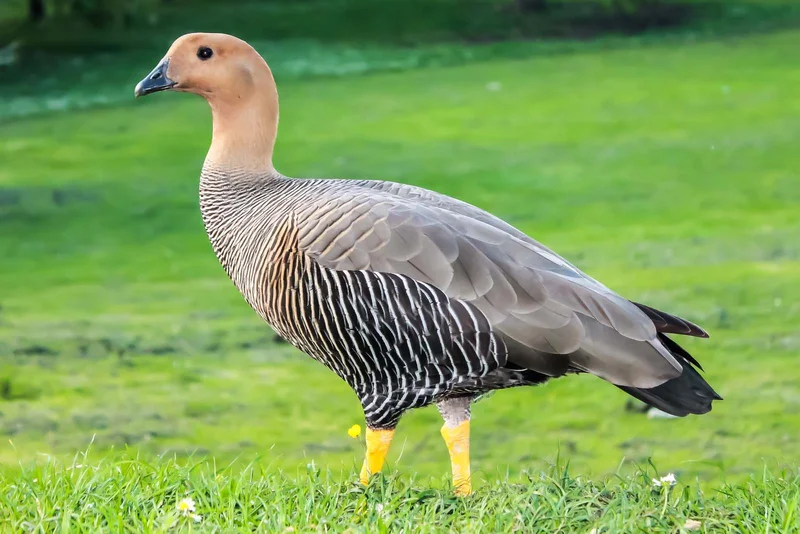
(213, 65)
(236, 82)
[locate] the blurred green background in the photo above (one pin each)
(653, 143)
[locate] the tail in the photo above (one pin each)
(689, 393)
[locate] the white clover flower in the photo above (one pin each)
(186, 506)
(665, 481)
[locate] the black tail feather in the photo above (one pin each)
(687, 394)
(671, 324)
(679, 351)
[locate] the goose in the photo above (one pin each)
(410, 296)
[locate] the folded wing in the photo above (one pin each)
(554, 317)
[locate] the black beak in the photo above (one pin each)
(155, 81)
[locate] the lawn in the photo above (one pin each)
(667, 172)
(141, 496)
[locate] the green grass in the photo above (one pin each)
(68, 64)
(135, 496)
(668, 172)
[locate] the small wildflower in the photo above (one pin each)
(692, 524)
(354, 431)
(196, 517)
(379, 508)
(665, 481)
(186, 506)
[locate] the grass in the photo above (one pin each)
(668, 172)
(136, 495)
(68, 64)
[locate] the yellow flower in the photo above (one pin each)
(354, 431)
(186, 506)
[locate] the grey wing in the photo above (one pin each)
(439, 200)
(552, 316)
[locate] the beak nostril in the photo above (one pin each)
(156, 81)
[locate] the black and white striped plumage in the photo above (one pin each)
(412, 297)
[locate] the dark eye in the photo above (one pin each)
(204, 53)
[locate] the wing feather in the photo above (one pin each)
(524, 290)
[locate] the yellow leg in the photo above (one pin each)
(378, 442)
(457, 440)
